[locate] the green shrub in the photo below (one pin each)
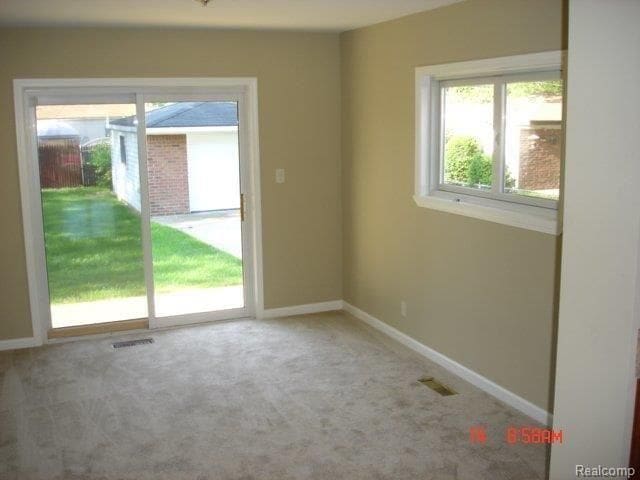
(100, 160)
(467, 164)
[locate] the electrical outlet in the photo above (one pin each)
(403, 308)
(279, 175)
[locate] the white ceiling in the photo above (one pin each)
(331, 15)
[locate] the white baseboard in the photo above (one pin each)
(302, 309)
(470, 376)
(16, 343)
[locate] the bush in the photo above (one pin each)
(100, 160)
(467, 164)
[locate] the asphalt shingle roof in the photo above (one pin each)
(189, 114)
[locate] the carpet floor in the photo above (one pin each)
(310, 397)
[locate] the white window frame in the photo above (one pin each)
(509, 209)
(123, 149)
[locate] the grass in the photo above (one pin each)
(94, 250)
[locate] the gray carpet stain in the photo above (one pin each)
(311, 397)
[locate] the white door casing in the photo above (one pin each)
(114, 90)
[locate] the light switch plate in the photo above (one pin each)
(279, 175)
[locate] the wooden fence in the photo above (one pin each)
(63, 164)
(60, 163)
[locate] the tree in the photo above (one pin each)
(549, 90)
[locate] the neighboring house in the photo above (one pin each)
(192, 158)
(540, 154)
(90, 121)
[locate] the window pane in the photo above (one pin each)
(468, 135)
(92, 233)
(194, 200)
(533, 138)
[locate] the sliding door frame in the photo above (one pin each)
(244, 146)
(114, 90)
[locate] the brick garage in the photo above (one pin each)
(168, 174)
(540, 150)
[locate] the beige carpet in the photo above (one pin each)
(311, 397)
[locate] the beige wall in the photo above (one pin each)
(478, 292)
(299, 90)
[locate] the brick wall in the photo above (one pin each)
(168, 174)
(540, 156)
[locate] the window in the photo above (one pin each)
(123, 150)
(489, 138)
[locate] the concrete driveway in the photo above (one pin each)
(220, 229)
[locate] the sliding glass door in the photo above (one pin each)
(93, 244)
(142, 208)
(193, 165)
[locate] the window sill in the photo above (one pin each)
(515, 215)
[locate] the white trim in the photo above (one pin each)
(530, 62)
(427, 125)
(31, 215)
(16, 343)
(513, 214)
(186, 130)
(117, 89)
(454, 367)
(247, 184)
(110, 90)
(303, 309)
(145, 209)
(254, 202)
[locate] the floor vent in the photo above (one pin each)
(436, 386)
(133, 343)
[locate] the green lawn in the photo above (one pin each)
(94, 250)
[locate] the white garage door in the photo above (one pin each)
(214, 171)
